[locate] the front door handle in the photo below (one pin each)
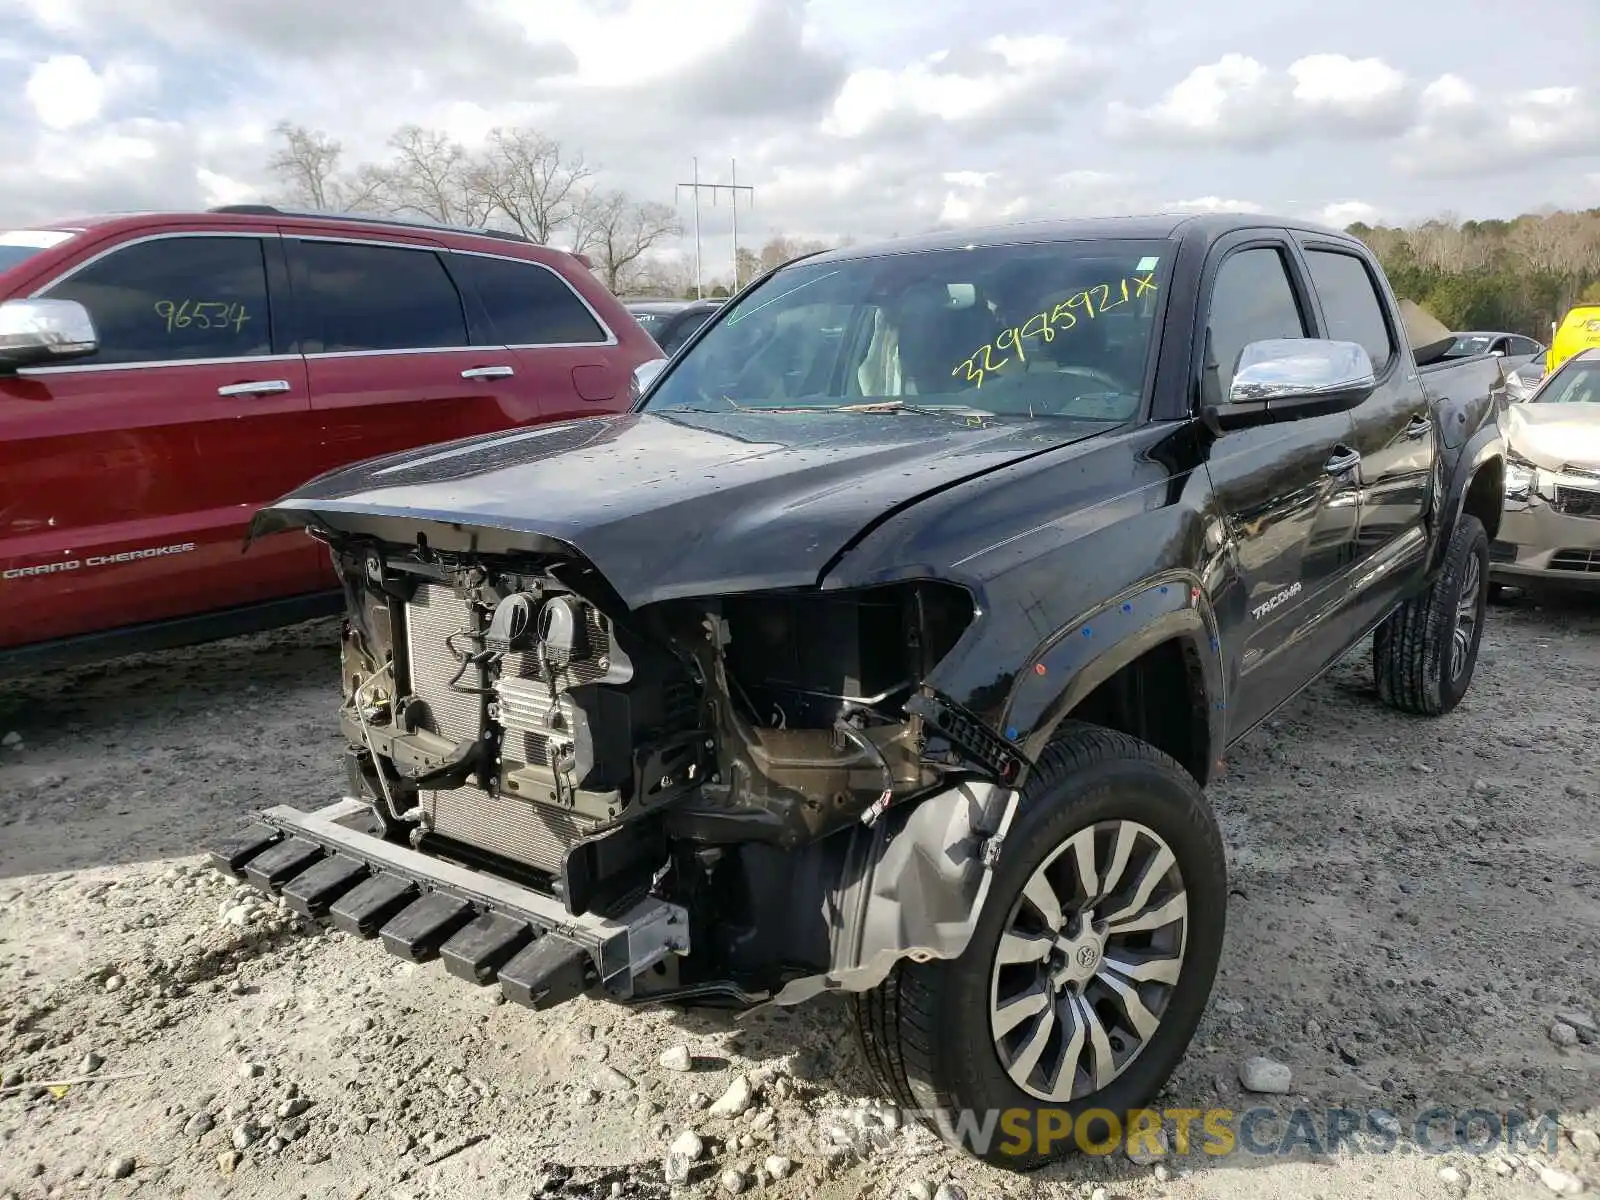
(1345, 459)
(259, 387)
(1419, 426)
(488, 373)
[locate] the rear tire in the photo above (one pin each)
(944, 1039)
(1424, 654)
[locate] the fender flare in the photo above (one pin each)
(1484, 446)
(1081, 656)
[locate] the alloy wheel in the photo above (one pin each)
(1088, 961)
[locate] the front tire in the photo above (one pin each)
(1089, 968)
(1424, 654)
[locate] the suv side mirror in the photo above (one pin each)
(37, 332)
(643, 376)
(1282, 379)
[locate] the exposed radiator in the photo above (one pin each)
(521, 830)
(434, 615)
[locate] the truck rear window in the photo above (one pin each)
(19, 245)
(1043, 329)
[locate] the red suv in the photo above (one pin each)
(163, 376)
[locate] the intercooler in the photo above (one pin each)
(525, 831)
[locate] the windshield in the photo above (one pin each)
(18, 245)
(1047, 329)
(1576, 383)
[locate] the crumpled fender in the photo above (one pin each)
(913, 886)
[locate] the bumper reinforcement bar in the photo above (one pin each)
(485, 930)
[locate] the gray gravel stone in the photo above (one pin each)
(199, 1125)
(1265, 1076)
(677, 1059)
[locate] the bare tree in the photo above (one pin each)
(307, 165)
(433, 177)
(527, 178)
(624, 230)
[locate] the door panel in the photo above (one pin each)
(568, 364)
(388, 357)
(1393, 431)
(1287, 491)
(127, 480)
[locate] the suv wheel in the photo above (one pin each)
(1089, 968)
(1423, 655)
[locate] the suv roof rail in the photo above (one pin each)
(271, 210)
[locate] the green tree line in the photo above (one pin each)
(1518, 275)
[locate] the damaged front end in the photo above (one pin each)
(729, 799)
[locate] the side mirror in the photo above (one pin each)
(1497, 354)
(1282, 379)
(643, 376)
(37, 332)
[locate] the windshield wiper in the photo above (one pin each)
(890, 406)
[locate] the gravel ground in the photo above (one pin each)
(1415, 922)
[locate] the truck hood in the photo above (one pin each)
(1555, 435)
(667, 506)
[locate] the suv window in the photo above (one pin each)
(527, 304)
(1350, 304)
(356, 297)
(682, 330)
(1252, 300)
(1523, 345)
(175, 298)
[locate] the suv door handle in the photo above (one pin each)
(1418, 426)
(259, 387)
(488, 373)
(1346, 459)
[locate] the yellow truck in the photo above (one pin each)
(1579, 330)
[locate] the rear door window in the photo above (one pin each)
(354, 297)
(526, 304)
(174, 299)
(1350, 304)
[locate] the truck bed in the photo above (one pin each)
(1460, 387)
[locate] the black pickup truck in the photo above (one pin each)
(886, 646)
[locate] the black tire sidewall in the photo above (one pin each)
(1471, 540)
(1155, 793)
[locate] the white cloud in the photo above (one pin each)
(1343, 213)
(65, 91)
(1462, 131)
(1239, 101)
(994, 77)
(1212, 204)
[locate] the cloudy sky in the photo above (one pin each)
(850, 117)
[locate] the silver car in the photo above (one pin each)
(1550, 531)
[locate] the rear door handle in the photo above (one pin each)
(1345, 460)
(1418, 426)
(488, 373)
(259, 387)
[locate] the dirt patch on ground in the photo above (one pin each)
(1416, 923)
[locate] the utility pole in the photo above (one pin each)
(734, 188)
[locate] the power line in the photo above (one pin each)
(734, 187)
